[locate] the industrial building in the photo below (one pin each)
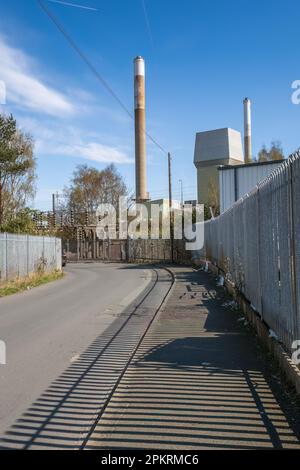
(235, 181)
(212, 149)
(223, 175)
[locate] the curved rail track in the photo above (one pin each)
(134, 350)
(66, 414)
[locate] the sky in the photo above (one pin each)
(202, 59)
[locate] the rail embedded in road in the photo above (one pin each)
(64, 416)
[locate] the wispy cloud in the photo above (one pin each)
(24, 89)
(70, 141)
(96, 152)
(43, 107)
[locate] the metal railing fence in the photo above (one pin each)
(257, 244)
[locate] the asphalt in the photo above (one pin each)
(199, 380)
(48, 329)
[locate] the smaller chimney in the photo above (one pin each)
(247, 131)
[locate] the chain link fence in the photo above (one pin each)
(21, 255)
(257, 245)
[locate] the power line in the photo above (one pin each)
(89, 64)
(163, 190)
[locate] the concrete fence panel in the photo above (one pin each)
(21, 255)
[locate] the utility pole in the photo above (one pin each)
(171, 209)
(181, 192)
(53, 203)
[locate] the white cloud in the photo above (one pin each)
(29, 93)
(24, 88)
(96, 152)
(53, 139)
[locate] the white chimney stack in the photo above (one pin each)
(247, 131)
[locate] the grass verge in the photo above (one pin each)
(34, 280)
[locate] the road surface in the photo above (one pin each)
(199, 380)
(46, 329)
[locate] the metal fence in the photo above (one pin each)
(91, 248)
(257, 244)
(21, 255)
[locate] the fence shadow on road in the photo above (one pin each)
(63, 415)
(199, 381)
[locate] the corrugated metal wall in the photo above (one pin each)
(21, 255)
(237, 182)
(257, 244)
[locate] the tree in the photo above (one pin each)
(91, 187)
(22, 222)
(275, 153)
(213, 205)
(263, 154)
(17, 168)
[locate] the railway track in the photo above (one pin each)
(66, 414)
(133, 351)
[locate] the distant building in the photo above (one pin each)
(163, 204)
(212, 149)
(237, 180)
(192, 202)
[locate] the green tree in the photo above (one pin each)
(17, 169)
(22, 222)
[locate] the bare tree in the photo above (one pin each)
(91, 187)
(213, 206)
(275, 153)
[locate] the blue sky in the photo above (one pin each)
(202, 59)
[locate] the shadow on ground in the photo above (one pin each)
(200, 380)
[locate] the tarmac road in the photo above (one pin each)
(47, 328)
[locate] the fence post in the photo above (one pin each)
(258, 251)
(27, 253)
(292, 252)
(6, 259)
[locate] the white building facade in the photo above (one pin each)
(237, 180)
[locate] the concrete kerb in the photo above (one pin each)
(282, 358)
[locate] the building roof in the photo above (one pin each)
(218, 144)
(243, 165)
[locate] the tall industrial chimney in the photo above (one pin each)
(140, 129)
(247, 131)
